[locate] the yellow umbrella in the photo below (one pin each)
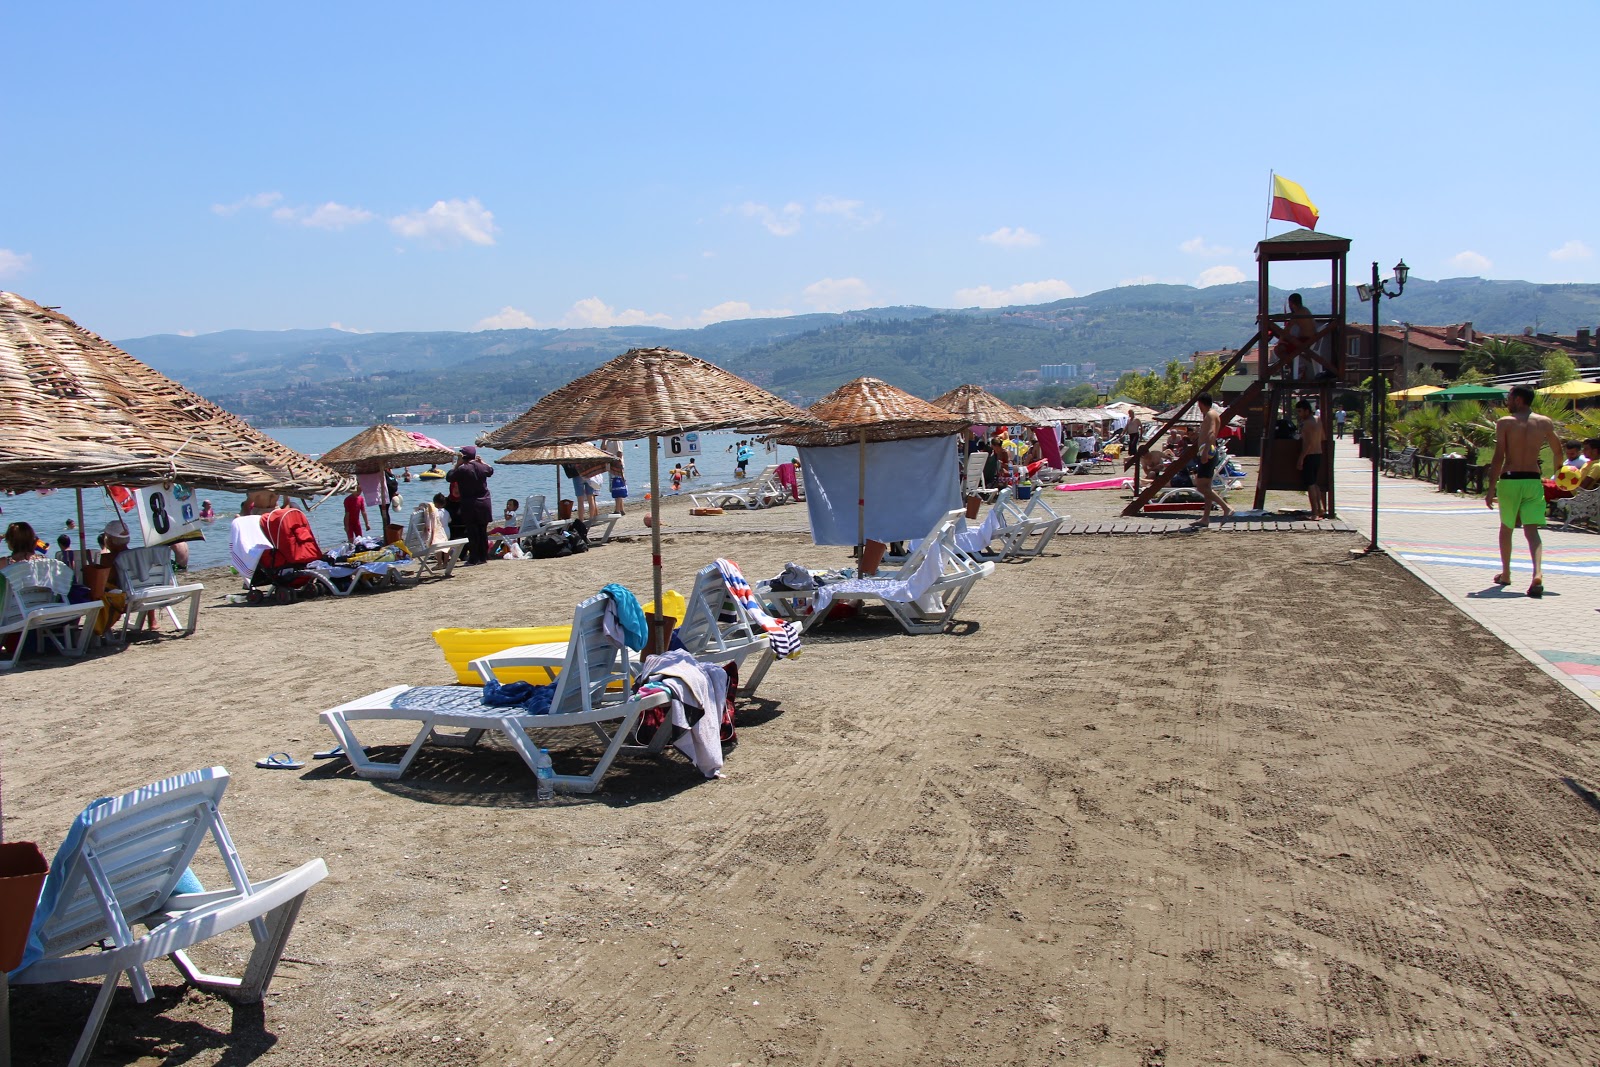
(1416, 392)
(1573, 390)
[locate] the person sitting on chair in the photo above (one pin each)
(1298, 337)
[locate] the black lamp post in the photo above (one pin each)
(1375, 293)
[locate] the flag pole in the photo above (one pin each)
(1268, 220)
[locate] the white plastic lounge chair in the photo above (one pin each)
(716, 628)
(533, 522)
(35, 603)
(435, 553)
(599, 528)
(764, 490)
(1026, 529)
(120, 868)
(592, 663)
(924, 593)
(150, 583)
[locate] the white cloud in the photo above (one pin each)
(1220, 275)
(1196, 246)
(332, 216)
(1470, 261)
(985, 296)
(785, 222)
(837, 294)
(259, 201)
(345, 329)
(449, 221)
(852, 211)
(739, 309)
(1011, 237)
(507, 318)
(1572, 250)
(14, 263)
(594, 312)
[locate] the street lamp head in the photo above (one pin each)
(1364, 292)
(1401, 273)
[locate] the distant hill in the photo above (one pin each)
(321, 376)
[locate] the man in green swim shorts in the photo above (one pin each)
(1515, 479)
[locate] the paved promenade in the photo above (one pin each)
(1449, 540)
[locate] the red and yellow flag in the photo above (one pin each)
(1291, 204)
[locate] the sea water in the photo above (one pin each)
(48, 513)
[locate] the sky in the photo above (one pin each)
(188, 168)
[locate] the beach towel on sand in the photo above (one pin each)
(784, 637)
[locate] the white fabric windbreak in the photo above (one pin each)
(910, 486)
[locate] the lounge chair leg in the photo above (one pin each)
(268, 953)
(96, 1020)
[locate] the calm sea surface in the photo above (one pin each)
(48, 513)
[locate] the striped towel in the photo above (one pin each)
(784, 637)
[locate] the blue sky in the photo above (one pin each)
(191, 168)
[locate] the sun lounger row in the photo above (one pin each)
(762, 491)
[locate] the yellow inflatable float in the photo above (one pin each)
(461, 645)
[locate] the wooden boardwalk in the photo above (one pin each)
(1148, 526)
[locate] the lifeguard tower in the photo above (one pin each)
(1283, 376)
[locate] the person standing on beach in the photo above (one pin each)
(1310, 461)
(355, 516)
(475, 508)
(1515, 481)
(1206, 461)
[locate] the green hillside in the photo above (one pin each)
(320, 376)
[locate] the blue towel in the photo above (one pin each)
(535, 699)
(629, 614)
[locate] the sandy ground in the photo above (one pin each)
(1217, 798)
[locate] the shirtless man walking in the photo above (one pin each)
(1310, 462)
(1210, 423)
(1515, 480)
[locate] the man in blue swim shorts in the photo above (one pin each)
(1516, 483)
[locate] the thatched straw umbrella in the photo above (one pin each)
(980, 407)
(383, 446)
(870, 410)
(557, 454)
(648, 392)
(77, 412)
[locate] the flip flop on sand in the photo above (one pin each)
(279, 761)
(336, 752)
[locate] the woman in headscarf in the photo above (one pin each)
(476, 509)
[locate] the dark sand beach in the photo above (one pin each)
(1223, 798)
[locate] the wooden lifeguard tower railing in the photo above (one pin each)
(1276, 388)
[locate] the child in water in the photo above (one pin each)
(677, 477)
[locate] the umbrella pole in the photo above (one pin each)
(659, 624)
(83, 546)
(861, 495)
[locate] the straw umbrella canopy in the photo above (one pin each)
(648, 392)
(380, 447)
(980, 407)
(557, 454)
(78, 412)
(871, 410)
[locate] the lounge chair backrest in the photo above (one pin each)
(126, 859)
(593, 661)
(533, 515)
(31, 584)
(703, 629)
(139, 569)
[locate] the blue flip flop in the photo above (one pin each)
(279, 761)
